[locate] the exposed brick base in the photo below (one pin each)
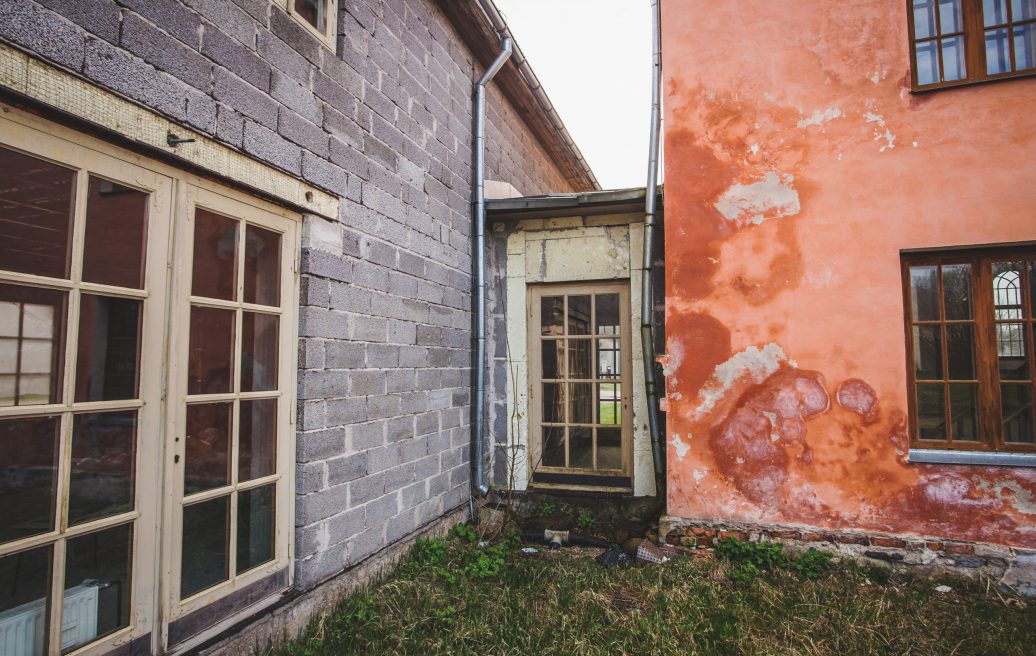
(970, 559)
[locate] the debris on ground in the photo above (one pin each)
(649, 553)
(943, 589)
(614, 556)
(530, 550)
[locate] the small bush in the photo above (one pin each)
(813, 564)
(585, 520)
(544, 510)
(464, 532)
(750, 559)
(428, 553)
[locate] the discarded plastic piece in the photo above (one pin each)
(943, 588)
(614, 556)
(557, 539)
(482, 544)
(647, 552)
(530, 550)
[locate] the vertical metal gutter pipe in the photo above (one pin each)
(478, 359)
(647, 336)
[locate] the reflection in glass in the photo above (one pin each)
(931, 412)
(609, 362)
(98, 585)
(953, 59)
(1023, 10)
(210, 360)
(24, 592)
(960, 351)
(553, 446)
(255, 527)
(582, 399)
(262, 266)
(552, 315)
(36, 207)
(28, 476)
(994, 12)
(956, 290)
(998, 52)
(606, 311)
(553, 358)
(1012, 351)
(579, 358)
(258, 352)
(1025, 47)
(257, 439)
(578, 315)
(553, 403)
(924, 293)
(103, 459)
(115, 237)
(928, 352)
(109, 348)
(1007, 290)
(1016, 404)
(924, 18)
(609, 402)
(581, 448)
(207, 447)
(215, 250)
(950, 17)
(964, 411)
(609, 448)
(927, 57)
(32, 321)
(206, 540)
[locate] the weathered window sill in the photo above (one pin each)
(983, 458)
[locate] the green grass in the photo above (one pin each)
(455, 598)
(609, 413)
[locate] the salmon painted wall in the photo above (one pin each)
(797, 165)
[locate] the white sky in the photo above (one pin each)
(594, 60)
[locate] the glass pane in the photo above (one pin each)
(255, 527)
(206, 540)
(581, 448)
(928, 352)
(956, 290)
(37, 200)
(953, 59)
(1022, 10)
(553, 358)
(257, 439)
(552, 312)
(109, 348)
(214, 273)
(313, 12)
(924, 293)
(33, 320)
(994, 12)
(207, 449)
(609, 403)
(262, 266)
(258, 352)
(103, 459)
(578, 315)
(1025, 47)
(210, 361)
(98, 585)
(606, 311)
(554, 446)
(924, 18)
(24, 589)
(114, 245)
(998, 52)
(960, 351)
(579, 358)
(1012, 351)
(1016, 405)
(927, 57)
(582, 403)
(964, 412)
(950, 17)
(609, 362)
(1008, 301)
(28, 476)
(553, 403)
(609, 448)
(931, 412)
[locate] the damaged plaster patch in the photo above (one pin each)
(754, 364)
(887, 136)
(680, 446)
(1009, 491)
(699, 474)
(819, 117)
(750, 204)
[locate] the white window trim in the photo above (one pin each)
(328, 37)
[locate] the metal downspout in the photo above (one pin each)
(478, 359)
(647, 336)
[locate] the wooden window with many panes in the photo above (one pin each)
(580, 379)
(954, 42)
(970, 349)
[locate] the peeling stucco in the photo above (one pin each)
(752, 364)
(819, 117)
(771, 197)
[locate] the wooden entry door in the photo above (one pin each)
(580, 385)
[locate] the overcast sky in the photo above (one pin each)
(594, 60)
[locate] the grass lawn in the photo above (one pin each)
(452, 597)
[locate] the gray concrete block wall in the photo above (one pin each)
(384, 122)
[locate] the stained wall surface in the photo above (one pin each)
(798, 165)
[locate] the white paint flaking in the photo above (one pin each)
(819, 117)
(681, 447)
(754, 148)
(754, 364)
(890, 140)
(770, 198)
(874, 118)
(1017, 495)
(699, 474)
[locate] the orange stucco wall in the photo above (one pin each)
(797, 165)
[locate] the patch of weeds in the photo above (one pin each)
(544, 510)
(585, 520)
(464, 532)
(813, 564)
(749, 559)
(428, 553)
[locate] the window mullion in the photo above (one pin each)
(974, 40)
(986, 354)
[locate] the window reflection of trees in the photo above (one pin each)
(1007, 295)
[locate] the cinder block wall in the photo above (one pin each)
(385, 124)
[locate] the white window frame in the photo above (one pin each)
(329, 35)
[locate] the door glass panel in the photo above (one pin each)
(103, 463)
(1016, 402)
(255, 527)
(960, 351)
(552, 315)
(262, 266)
(24, 592)
(928, 352)
(98, 585)
(553, 403)
(553, 446)
(109, 348)
(207, 459)
(582, 395)
(956, 289)
(609, 448)
(580, 448)
(964, 412)
(258, 352)
(553, 358)
(115, 235)
(578, 315)
(29, 466)
(606, 311)
(32, 323)
(931, 412)
(210, 361)
(37, 200)
(609, 400)
(924, 293)
(579, 359)
(257, 439)
(214, 272)
(205, 545)
(609, 360)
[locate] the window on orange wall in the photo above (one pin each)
(954, 42)
(970, 352)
